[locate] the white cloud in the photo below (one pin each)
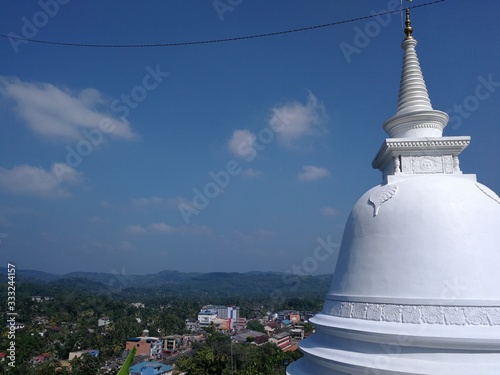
(294, 120)
(126, 246)
(251, 173)
(253, 238)
(194, 229)
(159, 202)
(35, 181)
(311, 173)
(161, 228)
(136, 229)
(59, 114)
(95, 220)
(164, 228)
(329, 211)
(242, 144)
(144, 202)
(101, 246)
(105, 204)
(263, 233)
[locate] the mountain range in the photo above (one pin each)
(182, 283)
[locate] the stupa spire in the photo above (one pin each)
(415, 116)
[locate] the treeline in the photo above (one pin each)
(188, 285)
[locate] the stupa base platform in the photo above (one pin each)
(343, 346)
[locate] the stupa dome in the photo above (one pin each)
(414, 237)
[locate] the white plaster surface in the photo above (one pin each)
(416, 289)
(436, 242)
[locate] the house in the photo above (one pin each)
(221, 325)
(78, 354)
(272, 327)
(150, 368)
(172, 343)
(294, 317)
(40, 358)
(40, 298)
(40, 320)
(241, 323)
(243, 337)
(281, 340)
(297, 332)
(285, 323)
(137, 305)
(191, 325)
(145, 345)
(261, 340)
(283, 314)
(104, 321)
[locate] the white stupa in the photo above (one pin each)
(416, 289)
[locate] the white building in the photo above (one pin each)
(232, 313)
(191, 325)
(104, 321)
(205, 317)
(416, 286)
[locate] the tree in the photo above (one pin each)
(254, 325)
(308, 327)
(86, 365)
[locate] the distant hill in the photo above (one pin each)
(186, 283)
(32, 275)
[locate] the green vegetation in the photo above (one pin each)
(68, 320)
(255, 326)
(186, 285)
(218, 356)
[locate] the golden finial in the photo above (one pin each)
(408, 28)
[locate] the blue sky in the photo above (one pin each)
(236, 156)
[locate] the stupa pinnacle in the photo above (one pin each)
(408, 28)
(415, 289)
(415, 116)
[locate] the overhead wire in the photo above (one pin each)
(211, 41)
